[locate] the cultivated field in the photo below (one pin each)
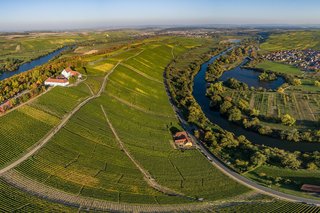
(13, 200)
(292, 40)
(84, 158)
(285, 180)
(303, 107)
(25, 126)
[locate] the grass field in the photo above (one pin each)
(292, 40)
(279, 68)
(84, 158)
(290, 182)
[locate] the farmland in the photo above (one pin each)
(292, 40)
(303, 107)
(13, 200)
(84, 157)
(273, 206)
(22, 128)
(286, 180)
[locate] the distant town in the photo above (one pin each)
(308, 60)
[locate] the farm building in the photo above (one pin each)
(56, 82)
(310, 188)
(68, 72)
(182, 140)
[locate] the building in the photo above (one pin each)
(182, 140)
(68, 72)
(310, 188)
(56, 82)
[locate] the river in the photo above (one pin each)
(199, 93)
(250, 77)
(32, 64)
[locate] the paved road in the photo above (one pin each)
(229, 172)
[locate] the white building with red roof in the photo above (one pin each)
(56, 82)
(68, 72)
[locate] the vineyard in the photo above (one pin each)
(22, 128)
(13, 200)
(84, 159)
(275, 207)
(303, 107)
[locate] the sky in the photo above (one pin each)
(19, 15)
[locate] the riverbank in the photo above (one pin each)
(33, 63)
(199, 93)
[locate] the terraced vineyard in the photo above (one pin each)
(276, 206)
(24, 127)
(84, 158)
(13, 200)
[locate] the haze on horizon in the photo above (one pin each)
(21, 15)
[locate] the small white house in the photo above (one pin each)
(68, 72)
(56, 82)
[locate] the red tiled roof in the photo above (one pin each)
(55, 80)
(181, 137)
(310, 188)
(72, 72)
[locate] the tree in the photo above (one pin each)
(288, 120)
(312, 166)
(296, 82)
(265, 130)
(234, 114)
(72, 80)
(290, 161)
(225, 106)
(254, 112)
(258, 159)
(317, 83)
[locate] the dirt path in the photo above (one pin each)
(141, 73)
(149, 179)
(31, 151)
(58, 196)
(139, 108)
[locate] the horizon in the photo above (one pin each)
(36, 15)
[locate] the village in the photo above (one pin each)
(307, 60)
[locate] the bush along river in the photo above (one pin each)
(251, 78)
(32, 64)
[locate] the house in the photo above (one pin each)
(68, 72)
(56, 82)
(310, 188)
(182, 140)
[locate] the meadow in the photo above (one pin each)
(279, 68)
(85, 159)
(292, 40)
